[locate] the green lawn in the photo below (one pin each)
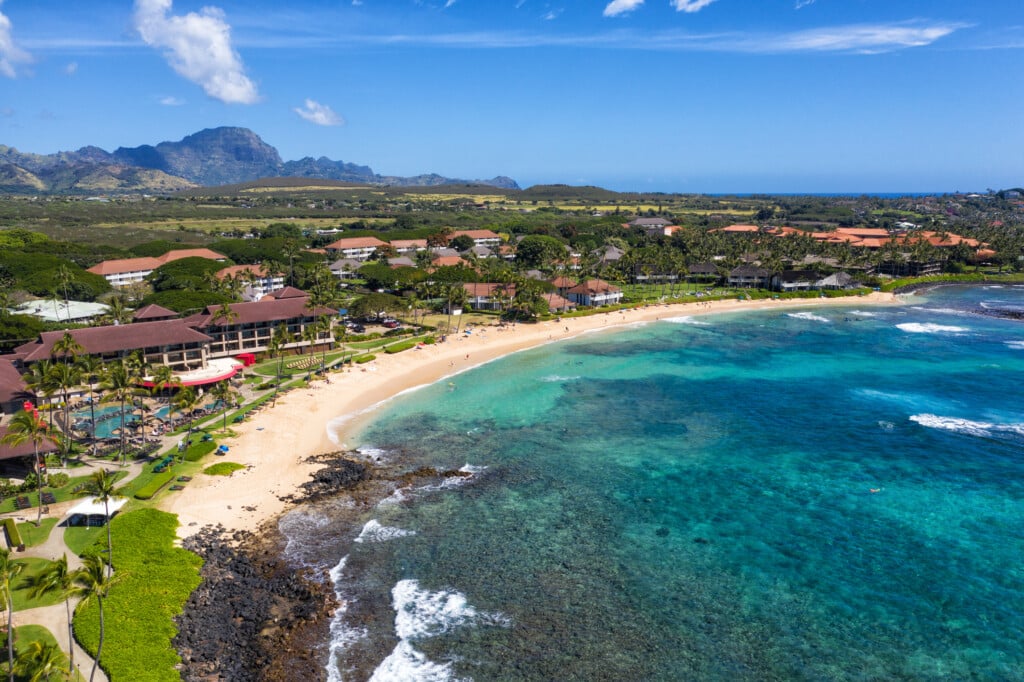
(223, 469)
(33, 535)
(19, 593)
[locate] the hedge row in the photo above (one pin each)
(362, 359)
(399, 347)
(13, 536)
(154, 486)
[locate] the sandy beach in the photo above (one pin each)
(275, 445)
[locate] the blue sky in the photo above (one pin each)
(647, 95)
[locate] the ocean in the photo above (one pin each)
(827, 494)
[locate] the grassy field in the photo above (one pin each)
(217, 225)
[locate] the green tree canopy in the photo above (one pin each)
(181, 301)
(186, 273)
(538, 250)
(375, 305)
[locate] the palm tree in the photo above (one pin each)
(39, 380)
(91, 583)
(56, 578)
(27, 426)
(226, 393)
(67, 347)
(39, 662)
(65, 377)
(102, 486)
(278, 340)
(119, 312)
(187, 400)
(120, 384)
(93, 371)
(9, 570)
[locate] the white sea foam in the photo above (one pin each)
(864, 313)
(808, 316)
(373, 454)
(342, 635)
(930, 328)
(943, 311)
(398, 497)
(558, 378)
(967, 426)
(374, 531)
(886, 426)
(420, 614)
(1016, 345)
(687, 319)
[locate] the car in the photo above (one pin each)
(357, 328)
(392, 324)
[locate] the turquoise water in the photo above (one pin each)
(108, 418)
(833, 494)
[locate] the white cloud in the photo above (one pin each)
(320, 114)
(171, 101)
(617, 7)
(867, 38)
(198, 47)
(71, 69)
(690, 5)
(800, 4)
(10, 54)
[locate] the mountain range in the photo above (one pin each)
(211, 157)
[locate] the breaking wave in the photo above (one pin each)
(930, 328)
(808, 316)
(968, 427)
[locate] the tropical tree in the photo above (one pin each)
(187, 400)
(64, 377)
(120, 384)
(278, 340)
(93, 371)
(102, 487)
(226, 393)
(90, 583)
(56, 578)
(9, 570)
(39, 380)
(28, 426)
(39, 662)
(67, 347)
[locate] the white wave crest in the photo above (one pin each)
(930, 328)
(342, 635)
(558, 378)
(864, 313)
(373, 454)
(687, 319)
(405, 664)
(373, 531)
(967, 426)
(808, 316)
(421, 613)
(943, 311)
(1016, 345)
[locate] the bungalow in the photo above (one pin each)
(563, 284)
(702, 272)
(153, 313)
(837, 280)
(649, 224)
(594, 292)
(488, 295)
(558, 304)
(749, 276)
(794, 280)
(357, 248)
(346, 268)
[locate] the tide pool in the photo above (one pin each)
(832, 494)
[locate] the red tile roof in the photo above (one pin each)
(355, 243)
(122, 265)
(594, 286)
(264, 310)
(114, 338)
(153, 312)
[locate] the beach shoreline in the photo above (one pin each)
(279, 445)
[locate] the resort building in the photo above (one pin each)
(257, 281)
(408, 246)
(489, 295)
(479, 237)
(594, 292)
(356, 248)
(124, 271)
(749, 276)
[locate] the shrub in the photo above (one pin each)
(199, 450)
(362, 359)
(399, 347)
(155, 485)
(58, 480)
(13, 536)
(157, 579)
(222, 469)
